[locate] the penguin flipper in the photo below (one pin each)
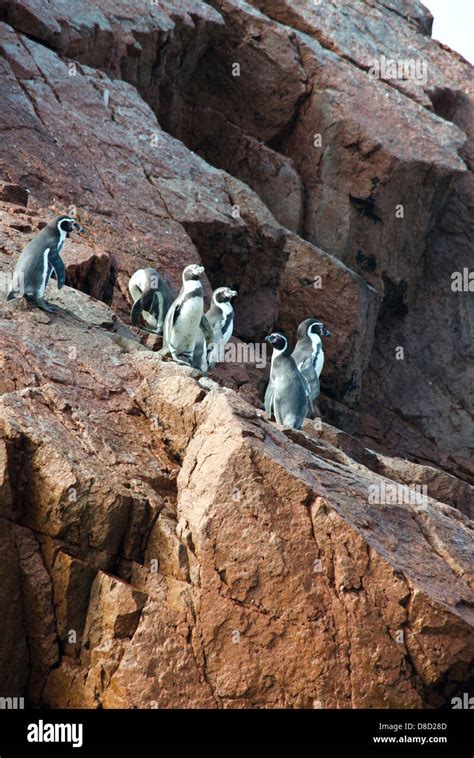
(135, 314)
(308, 393)
(213, 353)
(148, 301)
(57, 265)
(200, 355)
(206, 329)
(305, 366)
(215, 321)
(159, 311)
(175, 311)
(171, 317)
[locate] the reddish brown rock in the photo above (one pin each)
(38, 612)
(72, 580)
(163, 544)
(346, 557)
(440, 485)
(371, 129)
(271, 175)
(175, 667)
(91, 270)
(258, 520)
(113, 613)
(14, 655)
(5, 489)
(316, 284)
(13, 193)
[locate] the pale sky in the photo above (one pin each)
(454, 24)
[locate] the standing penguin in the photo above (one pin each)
(308, 353)
(221, 318)
(185, 317)
(216, 330)
(39, 259)
(287, 397)
(152, 299)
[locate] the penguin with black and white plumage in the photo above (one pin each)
(287, 393)
(185, 318)
(40, 259)
(309, 354)
(218, 326)
(221, 318)
(152, 299)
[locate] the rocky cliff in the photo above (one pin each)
(163, 543)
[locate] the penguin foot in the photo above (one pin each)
(182, 362)
(48, 307)
(184, 359)
(150, 331)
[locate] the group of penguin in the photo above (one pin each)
(190, 336)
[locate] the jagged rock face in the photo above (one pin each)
(163, 544)
(172, 529)
(303, 73)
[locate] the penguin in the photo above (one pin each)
(309, 355)
(221, 319)
(216, 330)
(152, 299)
(185, 318)
(39, 259)
(287, 397)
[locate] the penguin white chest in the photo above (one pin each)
(318, 354)
(62, 237)
(186, 327)
(227, 322)
(46, 273)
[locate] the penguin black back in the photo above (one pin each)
(152, 300)
(309, 354)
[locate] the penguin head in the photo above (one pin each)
(67, 224)
(278, 341)
(192, 272)
(224, 294)
(317, 327)
(311, 327)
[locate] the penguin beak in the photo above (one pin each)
(200, 269)
(326, 332)
(270, 339)
(233, 293)
(77, 227)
